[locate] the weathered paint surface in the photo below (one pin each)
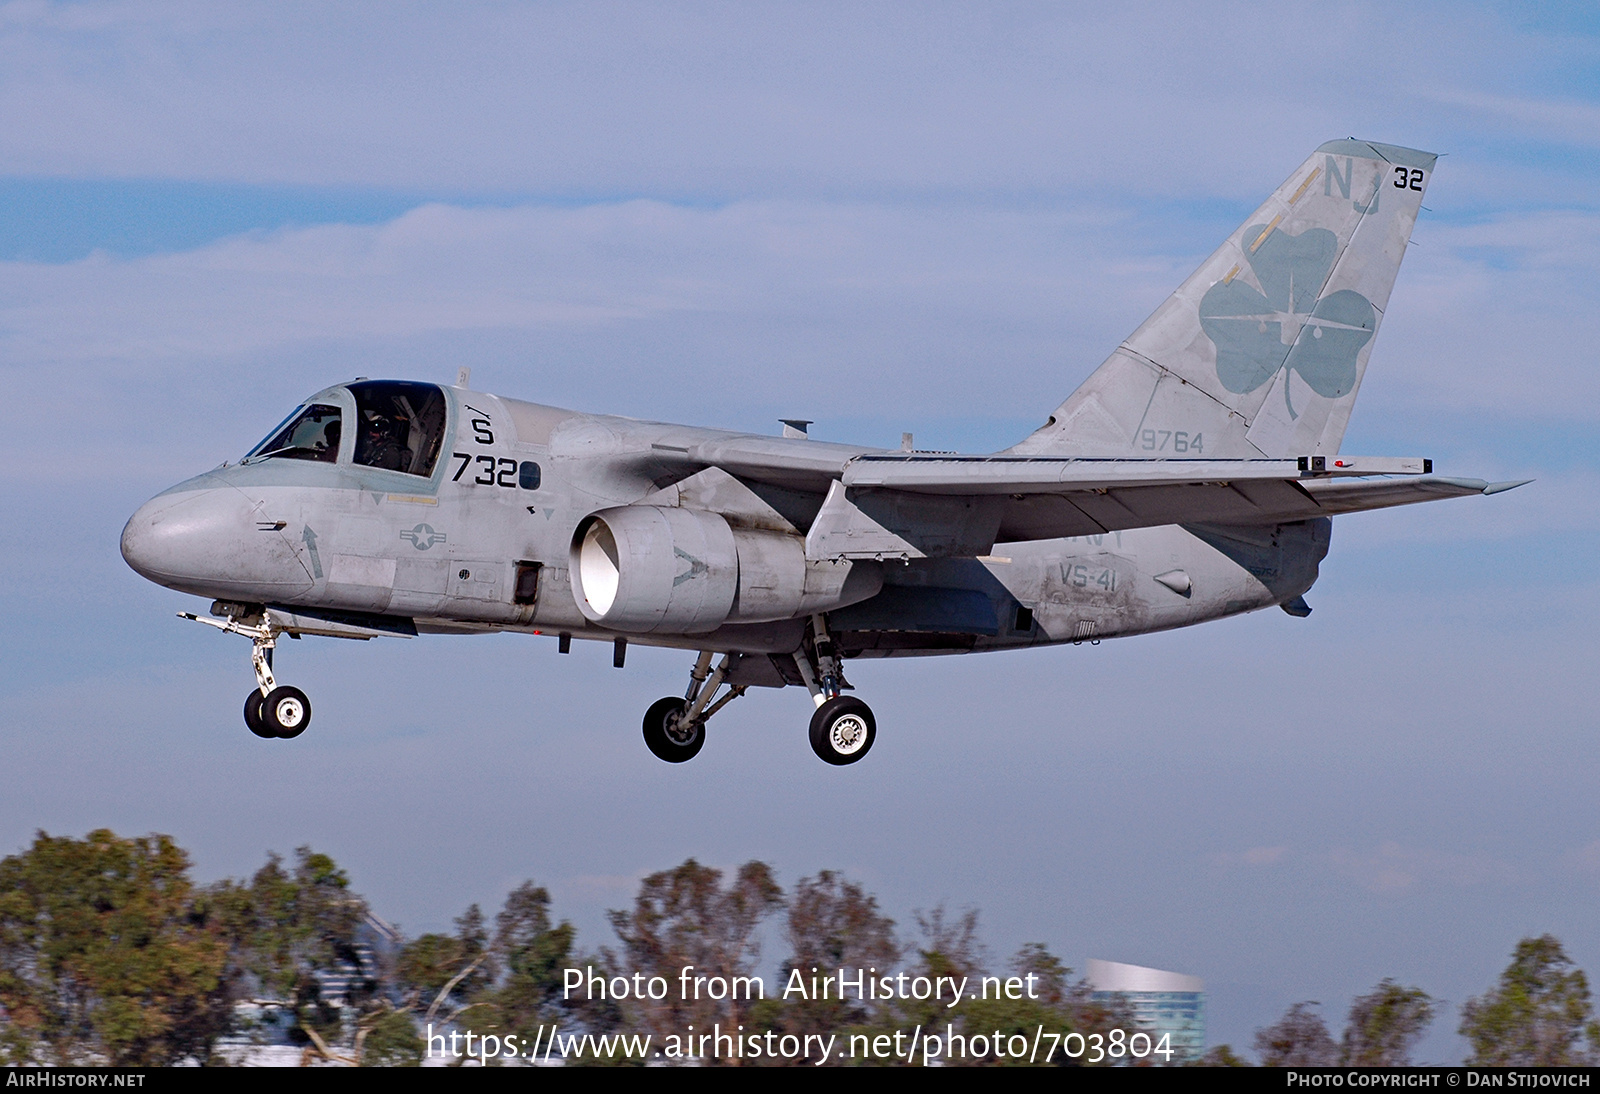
(1178, 456)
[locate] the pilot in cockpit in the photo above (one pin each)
(380, 444)
(328, 447)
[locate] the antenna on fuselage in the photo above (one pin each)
(463, 377)
(795, 428)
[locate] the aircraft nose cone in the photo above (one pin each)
(151, 545)
(211, 542)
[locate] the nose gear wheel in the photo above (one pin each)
(252, 715)
(286, 711)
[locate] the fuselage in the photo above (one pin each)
(415, 508)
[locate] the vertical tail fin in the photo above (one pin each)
(1261, 351)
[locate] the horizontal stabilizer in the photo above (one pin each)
(915, 513)
(1359, 496)
(1063, 474)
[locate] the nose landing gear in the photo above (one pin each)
(271, 709)
(282, 712)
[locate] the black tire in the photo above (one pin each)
(286, 712)
(662, 735)
(842, 730)
(252, 715)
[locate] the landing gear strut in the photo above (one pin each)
(675, 729)
(271, 709)
(843, 728)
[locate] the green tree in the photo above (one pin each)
(950, 948)
(686, 917)
(1299, 1039)
(387, 1038)
(448, 972)
(1220, 1056)
(285, 927)
(104, 957)
(834, 923)
(508, 985)
(1538, 1015)
(290, 932)
(831, 924)
(534, 954)
(1385, 1025)
(998, 1017)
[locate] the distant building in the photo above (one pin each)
(377, 944)
(1162, 1002)
(261, 1037)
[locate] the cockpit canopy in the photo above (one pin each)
(312, 433)
(398, 425)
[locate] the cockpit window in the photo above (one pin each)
(313, 434)
(399, 425)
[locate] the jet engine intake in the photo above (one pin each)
(644, 568)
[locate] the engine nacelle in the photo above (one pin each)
(647, 568)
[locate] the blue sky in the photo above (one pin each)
(884, 218)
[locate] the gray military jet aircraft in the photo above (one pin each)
(1192, 476)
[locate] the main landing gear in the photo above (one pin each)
(674, 729)
(842, 729)
(271, 709)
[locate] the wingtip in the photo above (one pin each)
(1502, 487)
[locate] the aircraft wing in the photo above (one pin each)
(917, 506)
(799, 465)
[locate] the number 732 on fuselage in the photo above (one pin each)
(1192, 476)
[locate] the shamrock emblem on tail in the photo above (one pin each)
(1285, 325)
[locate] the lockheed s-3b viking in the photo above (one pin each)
(1192, 476)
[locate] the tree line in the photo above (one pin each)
(1537, 1015)
(111, 954)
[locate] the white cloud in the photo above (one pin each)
(1393, 868)
(739, 99)
(888, 296)
(1567, 120)
(1251, 857)
(959, 313)
(1500, 316)
(445, 268)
